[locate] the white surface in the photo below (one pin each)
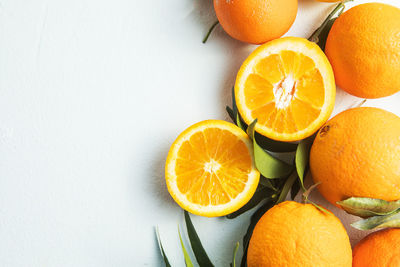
(92, 94)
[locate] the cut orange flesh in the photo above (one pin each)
(210, 169)
(288, 85)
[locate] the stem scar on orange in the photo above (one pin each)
(210, 169)
(256, 21)
(288, 85)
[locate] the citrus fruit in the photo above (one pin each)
(210, 169)
(288, 85)
(378, 249)
(256, 21)
(357, 154)
(363, 47)
(299, 235)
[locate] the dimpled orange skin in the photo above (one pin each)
(357, 154)
(363, 47)
(378, 249)
(256, 21)
(299, 235)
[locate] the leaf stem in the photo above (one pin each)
(315, 36)
(210, 31)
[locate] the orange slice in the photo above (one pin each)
(210, 169)
(288, 85)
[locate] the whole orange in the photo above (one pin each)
(299, 235)
(363, 47)
(357, 154)
(378, 249)
(256, 21)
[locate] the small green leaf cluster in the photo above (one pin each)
(199, 252)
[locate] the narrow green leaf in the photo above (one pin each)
(239, 122)
(188, 261)
(198, 249)
(269, 166)
(231, 114)
(261, 194)
(286, 187)
(320, 35)
(367, 207)
(253, 221)
(267, 183)
(234, 106)
(166, 261)
(302, 158)
(378, 222)
(295, 189)
(210, 31)
(233, 264)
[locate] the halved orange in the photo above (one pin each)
(210, 169)
(288, 85)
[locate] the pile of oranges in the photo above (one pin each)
(288, 85)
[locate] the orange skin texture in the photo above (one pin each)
(299, 235)
(378, 249)
(363, 47)
(256, 21)
(357, 154)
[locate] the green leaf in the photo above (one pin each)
(253, 221)
(230, 113)
(378, 222)
(267, 183)
(239, 122)
(320, 35)
(198, 249)
(233, 264)
(302, 158)
(295, 189)
(188, 261)
(286, 187)
(261, 194)
(367, 207)
(269, 166)
(166, 261)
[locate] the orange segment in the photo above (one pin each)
(303, 113)
(259, 91)
(288, 85)
(310, 88)
(210, 169)
(270, 68)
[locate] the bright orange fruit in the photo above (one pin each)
(363, 47)
(378, 249)
(288, 85)
(357, 154)
(299, 235)
(210, 169)
(256, 21)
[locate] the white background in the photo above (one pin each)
(92, 94)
